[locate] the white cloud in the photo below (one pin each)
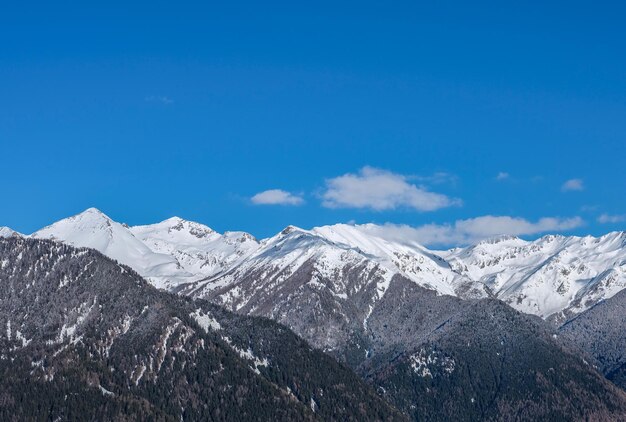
(573, 185)
(502, 175)
(607, 218)
(380, 190)
(276, 197)
(463, 232)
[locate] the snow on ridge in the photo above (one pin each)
(541, 277)
(550, 274)
(8, 232)
(93, 229)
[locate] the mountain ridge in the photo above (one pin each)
(554, 276)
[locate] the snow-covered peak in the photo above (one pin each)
(504, 239)
(199, 249)
(292, 229)
(94, 229)
(8, 232)
(367, 237)
(614, 238)
(405, 256)
(550, 274)
(238, 237)
(177, 230)
(90, 228)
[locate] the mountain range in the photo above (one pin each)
(506, 329)
(553, 277)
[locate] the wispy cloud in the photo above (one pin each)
(162, 99)
(464, 232)
(608, 218)
(276, 197)
(589, 208)
(573, 185)
(437, 178)
(502, 176)
(381, 190)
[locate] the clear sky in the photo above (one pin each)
(384, 112)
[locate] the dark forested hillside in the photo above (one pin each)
(601, 332)
(439, 358)
(84, 338)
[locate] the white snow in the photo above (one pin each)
(549, 274)
(205, 321)
(411, 260)
(105, 392)
(198, 249)
(248, 355)
(541, 277)
(8, 232)
(422, 361)
(93, 229)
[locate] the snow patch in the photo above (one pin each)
(422, 362)
(205, 321)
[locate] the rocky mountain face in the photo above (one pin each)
(87, 338)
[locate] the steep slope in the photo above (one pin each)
(300, 278)
(407, 258)
(93, 229)
(601, 332)
(554, 275)
(340, 262)
(87, 338)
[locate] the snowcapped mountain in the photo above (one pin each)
(340, 268)
(553, 275)
(197, 248)
(408, 258)
(8, 232)
(93, 229)
(91, 339)
(394, 311)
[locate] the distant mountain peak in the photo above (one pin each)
(498, 239)
(8, 232)
(93, 213)
(291, 229)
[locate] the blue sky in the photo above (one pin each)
(367, 112)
